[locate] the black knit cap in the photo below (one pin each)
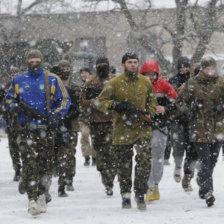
(102, 59)
(129, 55)
(183, 62)
(85, 69)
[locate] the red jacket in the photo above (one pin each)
(166, 96)
(164, 89)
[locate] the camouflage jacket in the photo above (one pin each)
(74, 91)
(201, 99)
(88, 103)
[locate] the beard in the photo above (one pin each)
(34, 68)
(131, 74)
(65, 75)
(102, 71)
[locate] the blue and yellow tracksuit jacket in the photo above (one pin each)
(31, 88)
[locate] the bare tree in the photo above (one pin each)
(189, 24)
(14, 32)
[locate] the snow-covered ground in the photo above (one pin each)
(88, 204)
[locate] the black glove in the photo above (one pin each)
(15, 109)
(54, 122)
(66, 137)
(92, 92)
(218, 109)
(125, 105)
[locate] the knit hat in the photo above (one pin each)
(183, 62)
(102, 59)
(64, 63)
(34, 53)
(207, 62)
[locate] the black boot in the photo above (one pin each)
(87, 161)
(21, 187)
(126, 202)
(140, 201)
(69, 184)
(201, 194)
(17, 175)
(61, 192)
(210, 199)
(93, 161)
(47, 197)
(109, 190)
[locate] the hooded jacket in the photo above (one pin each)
(165, 93)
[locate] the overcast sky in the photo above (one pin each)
(9, 6)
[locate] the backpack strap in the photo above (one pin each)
(47, 91)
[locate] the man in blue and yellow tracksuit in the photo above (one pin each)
(45, 93)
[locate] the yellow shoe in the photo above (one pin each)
(149, 195)
(156, 194)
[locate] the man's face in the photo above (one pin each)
(13, 75)
(34, 61)
(184, 70)
(66, 69)
(34, 64)
(151, 75)
(84, 75)
(209, 71)
(131, 65)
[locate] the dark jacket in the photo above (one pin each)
(178, 80)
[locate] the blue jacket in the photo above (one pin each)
(31, 88)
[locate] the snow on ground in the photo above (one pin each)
(88, 204)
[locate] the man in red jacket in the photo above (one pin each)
(166, 96)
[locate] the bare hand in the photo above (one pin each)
(160, 110)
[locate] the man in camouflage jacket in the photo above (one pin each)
(66, 141)
(202, 100)
(100, 124)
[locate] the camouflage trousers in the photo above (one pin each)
(14, 148)
(143, 156)
(86, 146)
(65, 155)
(101, 134)
(36, 149)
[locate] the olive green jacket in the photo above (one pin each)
(140, 92)
(199, 99)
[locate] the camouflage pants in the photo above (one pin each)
(66, 158)
(36, 149)
(124, 155)
(14, 148)
(101, 134)
(86, 146)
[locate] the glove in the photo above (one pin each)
(54, 122)
(218, 109)
(125, 105)
(66, 137)
(92, 92)
(15, 109)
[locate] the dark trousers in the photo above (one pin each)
(190, 160)
(181, 145)
(168, 144)
(207, 154)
